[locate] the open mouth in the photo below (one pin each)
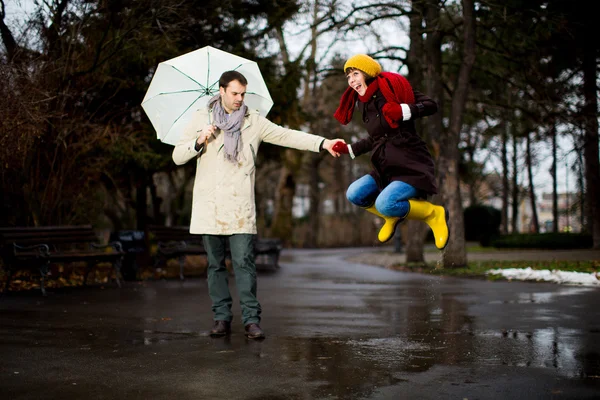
(358, 87)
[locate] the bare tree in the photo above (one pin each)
(534, 219)
(455, 253)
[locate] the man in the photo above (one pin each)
(224, 139)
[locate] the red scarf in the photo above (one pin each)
(394, 87)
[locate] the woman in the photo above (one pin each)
(403, 174)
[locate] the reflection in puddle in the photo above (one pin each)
(359, 366)
(545, 297)
(557, 348)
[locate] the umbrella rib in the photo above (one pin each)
(184, 111)
(187, 76)
(208, 73)
(165, 93)
(208, 67)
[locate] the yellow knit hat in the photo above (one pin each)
(365, 63)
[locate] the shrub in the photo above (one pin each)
(482, 224)
(545, 241)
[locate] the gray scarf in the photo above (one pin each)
(231, 127)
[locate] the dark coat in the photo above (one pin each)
(399, 154)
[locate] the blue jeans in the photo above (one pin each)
(242, 258)
(392, 201)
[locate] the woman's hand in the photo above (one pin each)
(392, 111)
(331, 145)
(340, 147)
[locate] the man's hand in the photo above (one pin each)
(206, 133)
(329, 145)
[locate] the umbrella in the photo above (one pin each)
(184, 84)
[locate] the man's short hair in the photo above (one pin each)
(229, 76)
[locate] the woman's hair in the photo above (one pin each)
(350, 69)
(229, 76)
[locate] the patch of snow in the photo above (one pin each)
(566, 277)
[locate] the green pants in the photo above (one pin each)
(244, 268)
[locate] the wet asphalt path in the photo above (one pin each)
(335, 330)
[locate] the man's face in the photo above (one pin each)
(233, 96)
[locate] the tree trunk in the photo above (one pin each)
(415, 240)
(455, 254)
(581, 188)
(472, 182)
(7, 37)
(284, 198)
(433, 125)
(590, 147)
(534, 215)
(515, 187)
(433, 76)
(157, 217)
(505, 181)
(141, 201)
(414, 55)
(554, 181)
(311, 239)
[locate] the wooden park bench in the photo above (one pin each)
(178, 242)
(38, 247)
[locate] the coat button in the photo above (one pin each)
(377, 115)
(367, 120)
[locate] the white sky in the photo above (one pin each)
(17, 10)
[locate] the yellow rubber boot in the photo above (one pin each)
(389, 227)
(435, 216)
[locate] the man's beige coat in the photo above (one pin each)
(223, 196)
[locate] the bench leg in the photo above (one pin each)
(181, 264)
(273, 258)
(44, 274)
(8, 279)
(117, 266)
(273, 261)
(88, 268)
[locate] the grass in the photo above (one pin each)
(478, 269)
(470, 249)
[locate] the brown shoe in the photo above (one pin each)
(253, 331)
(221, 328)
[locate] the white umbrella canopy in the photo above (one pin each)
(184, 84)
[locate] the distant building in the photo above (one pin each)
(569, 212)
